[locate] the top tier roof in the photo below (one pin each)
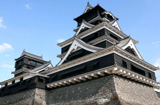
(88, 12)
(97, 7)
(24, 53)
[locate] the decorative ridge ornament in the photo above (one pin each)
(89, 7)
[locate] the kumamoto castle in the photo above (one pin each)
(100, 65)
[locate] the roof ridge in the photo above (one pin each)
(30, 54)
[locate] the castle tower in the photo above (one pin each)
(27, 62)
(100, 65)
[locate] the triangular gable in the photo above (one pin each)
(129, 43)
(89, 7)
(115, 24)
(84, 25)
(79, 43)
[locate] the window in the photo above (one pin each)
(33, 62)
(76, 54)
(124, 64)
(40, 80)
(114, 37)
(94, 36)
(39, 64)
(95, 65)
(54, 78)
(137, 70)
(20, 62)
(149, 75)
(76, 71)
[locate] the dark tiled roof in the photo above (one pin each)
(31, 55)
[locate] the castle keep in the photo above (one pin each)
(100, 65)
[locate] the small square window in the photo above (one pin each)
(124, 64)
(149, 75)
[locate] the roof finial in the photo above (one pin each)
(23, 52)
(88, 3)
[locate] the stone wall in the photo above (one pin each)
(94, 92)
(134, 93)
(108, 90)
(30, 97)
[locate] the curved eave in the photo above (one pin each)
(75, 45)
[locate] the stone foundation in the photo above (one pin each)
(30, 97)
(109, 90)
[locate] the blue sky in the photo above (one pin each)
(37, 26)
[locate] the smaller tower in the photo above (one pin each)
(27, 62)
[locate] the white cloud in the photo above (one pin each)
(1, 23)
(156, 43)
(7, 55)
(5, 47)
(7, 66)
(60, 40)
(28, 6)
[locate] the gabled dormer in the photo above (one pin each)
(128, 45)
